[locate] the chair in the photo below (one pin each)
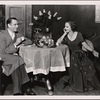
(2, 76)
(89, 54)
(1, 62)
(96, 61)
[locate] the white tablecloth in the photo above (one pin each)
(44, 60)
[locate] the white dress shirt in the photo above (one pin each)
(12, 34)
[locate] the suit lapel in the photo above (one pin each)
(9, 39)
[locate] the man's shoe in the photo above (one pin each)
(28, 91)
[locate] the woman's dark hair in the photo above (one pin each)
(10, 19)
(73, 25)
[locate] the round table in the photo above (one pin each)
(43, 60)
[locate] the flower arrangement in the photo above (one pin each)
(46, 41)
(45, 20)
(43, 40)
(41, 25)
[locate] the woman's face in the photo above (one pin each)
(67, 27)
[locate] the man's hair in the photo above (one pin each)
(10, 19)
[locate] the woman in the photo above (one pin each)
(82, 72)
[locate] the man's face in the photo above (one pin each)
(13, 26)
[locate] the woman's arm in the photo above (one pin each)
(95, 53)
(61, 38)
(86, 46)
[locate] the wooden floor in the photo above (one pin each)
(41, 90)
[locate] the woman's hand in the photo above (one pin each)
(62, 37)
(59, 41)
(95, 53)
(65, 31)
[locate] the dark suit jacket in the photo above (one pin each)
(7, 48)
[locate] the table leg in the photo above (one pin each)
(45, 80)
(49, 87)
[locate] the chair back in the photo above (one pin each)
(1, 62)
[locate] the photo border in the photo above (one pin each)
(50, 2)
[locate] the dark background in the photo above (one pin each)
(2, 17)
(83, 15)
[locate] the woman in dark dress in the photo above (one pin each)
(81, 71)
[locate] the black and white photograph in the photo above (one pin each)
(50, 49)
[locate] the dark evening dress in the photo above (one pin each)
(82, 71)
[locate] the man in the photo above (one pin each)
(13, 65)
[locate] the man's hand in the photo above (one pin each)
(23, 38)
(19, 40)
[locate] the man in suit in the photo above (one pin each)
(13, 65)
